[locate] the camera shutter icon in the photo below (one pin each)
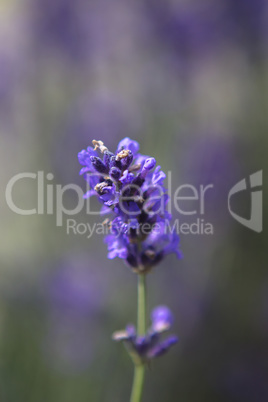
(255, 220)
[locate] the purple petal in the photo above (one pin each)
(127, 143)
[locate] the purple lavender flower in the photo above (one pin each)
(146, 347)
(130, 187)
(162, 318)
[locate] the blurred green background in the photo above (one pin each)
(188, 80)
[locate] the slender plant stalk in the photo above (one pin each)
(138, 381)
(139, 370)
(141, 314)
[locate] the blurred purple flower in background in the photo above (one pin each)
(185, 28)
(247, 22)
(192, 30)
(212, 161)
(59, 27)
(75, 297)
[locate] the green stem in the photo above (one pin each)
(139, 371)
(141, 318)
(138, 381)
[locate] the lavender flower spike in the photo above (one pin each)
(130, 187)
(128, 184)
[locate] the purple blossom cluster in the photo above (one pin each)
(130, 186)
(146, 347)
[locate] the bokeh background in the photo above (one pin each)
(188, 79)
